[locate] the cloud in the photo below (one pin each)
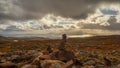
(76, 9)
(10, 10)
(97, 17)
(35, 9)
(51, 24)
(47, 22)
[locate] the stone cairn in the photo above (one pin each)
(63, 42)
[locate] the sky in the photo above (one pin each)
(20, 18)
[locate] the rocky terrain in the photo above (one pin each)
(91, 52)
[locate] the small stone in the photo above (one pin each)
(40, 58)
(29, 66)
(15, 40)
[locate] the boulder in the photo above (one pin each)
(41, 57)
(19, 58)
(38, 60)
(62, 55)
(52, 64)
(107, 62)
(99, 65)
(90, 62)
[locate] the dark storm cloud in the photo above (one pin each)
(113, 24)
(33, 9)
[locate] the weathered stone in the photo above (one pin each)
(31, 51)
(82, 53)
(21, 64)
(29, 66)
(107, 61)
(52, 64)
(49, 49)
(88, 66)
(90, 62)
(3, 60)
(8, 65)
(13, 57)
(100, 65)
(76, 66)
(19, 58)
(118, 65)
(40, 58)
(2, 54)
(68, 64)
(15, 40)
(37, 54)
